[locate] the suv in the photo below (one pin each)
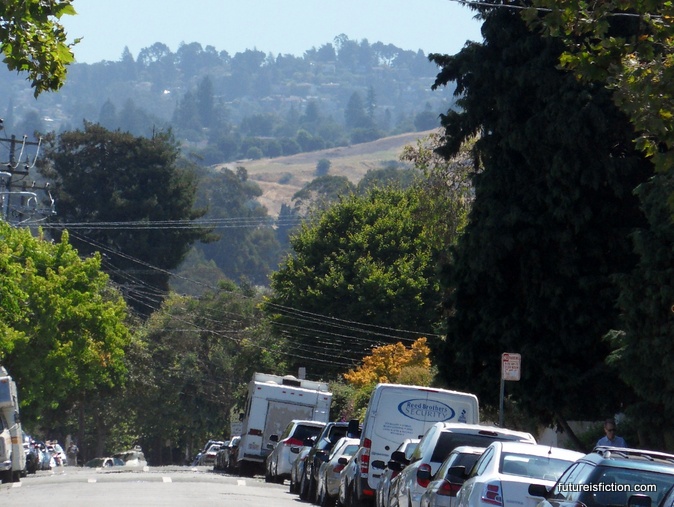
(318, 454)
(279, 462)
(435, 446)
(611, 476)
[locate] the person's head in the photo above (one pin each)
(610, 428)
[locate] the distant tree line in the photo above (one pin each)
(224, 107)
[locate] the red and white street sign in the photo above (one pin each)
(510, 366)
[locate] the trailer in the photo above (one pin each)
(273, 401)
(12, 454)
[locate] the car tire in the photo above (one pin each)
(312, 491)
(304, 489)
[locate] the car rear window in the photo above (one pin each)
(302, 432)
(448, 441)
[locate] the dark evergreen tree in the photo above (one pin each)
(128, 188)
(549, 228)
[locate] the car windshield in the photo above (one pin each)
(535, 467)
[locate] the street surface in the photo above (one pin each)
(170, 486)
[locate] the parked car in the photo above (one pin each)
(278, 464)
(400, 458)
(232, 452)
(104, 462)
(208, 458)
(435, 446)
(297, 470)
(318, 454)
(133, 457)
(442, 490)
(60, 458)
(327, 489)
(221, 457)
(643, 476)
(506, 469)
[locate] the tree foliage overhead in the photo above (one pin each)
(117, 194)
(637, 64)
(549, 226)
(33, 41)
(63, 326)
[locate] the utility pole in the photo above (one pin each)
(19, 202)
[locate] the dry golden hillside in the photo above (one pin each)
(279, 178)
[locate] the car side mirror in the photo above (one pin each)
(308, 442)
(273, 438)
(538, 490)
(639, 500)
(396, 466)
(322, 455)
(344, 461)
(400, 457)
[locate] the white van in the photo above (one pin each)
(397, 412)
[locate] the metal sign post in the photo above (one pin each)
(510, 370)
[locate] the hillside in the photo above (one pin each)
(279, 178)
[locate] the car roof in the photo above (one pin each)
(640, 459)
(308, 422)
(538, 450)
(486, 429)
(469, 449)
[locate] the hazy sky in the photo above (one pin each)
(276, 26)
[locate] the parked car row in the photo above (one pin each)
(225, 456)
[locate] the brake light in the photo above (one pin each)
(253, 431)
(491, 493)
(293, 441)
(365, 456)
(424, 475)
(448, 488)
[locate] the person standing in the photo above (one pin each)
(72, 454)
(610, 438)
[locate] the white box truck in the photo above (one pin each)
(273, 401)
(12, 454)
(398, 412)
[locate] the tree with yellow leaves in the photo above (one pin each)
(394, 363)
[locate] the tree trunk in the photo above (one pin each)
(561, 421)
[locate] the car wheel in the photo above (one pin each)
(304, 489)
(312, 490)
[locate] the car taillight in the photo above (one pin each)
(491, 493)
(365, 456)
(293, 441)
(448, 488)
(424, 475)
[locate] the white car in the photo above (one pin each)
(399, 459)
(433, 449)
(446, 483)
(502, 475)
(279, 462)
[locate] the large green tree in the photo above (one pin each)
(132, 198)
(361, 274)
(549, 226)
(63, 326)
(197, 357)
(32, 40)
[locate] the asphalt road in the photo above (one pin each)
(171, 486)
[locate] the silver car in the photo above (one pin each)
(327, 488)
(442, 490)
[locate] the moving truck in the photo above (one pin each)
(12, 454)
(273, 401)
(398, 412)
